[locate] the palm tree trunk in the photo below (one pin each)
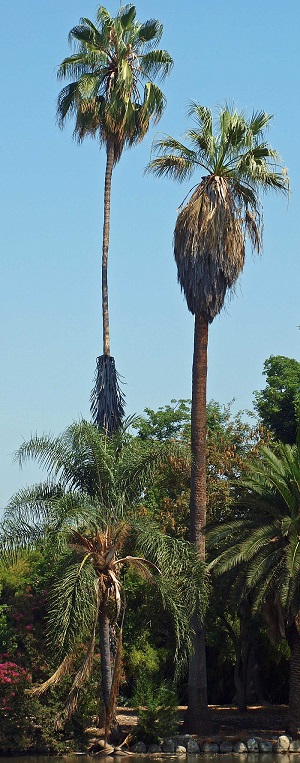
(105, 245)
(106, 674)
(198, 436)
(196, 715)
(294, 695)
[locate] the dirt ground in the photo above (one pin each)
(227, 722)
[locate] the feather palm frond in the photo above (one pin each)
(64, 669)
(265, 545)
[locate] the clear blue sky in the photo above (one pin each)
(51, 208)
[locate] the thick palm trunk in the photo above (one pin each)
(106, 674)
(105, 245)
(196, 716)
(294, 695)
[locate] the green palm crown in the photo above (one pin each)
(210, 232)
(112, 95)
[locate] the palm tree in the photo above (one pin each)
(262, 540)
(110, 102)
(209, 248)
(86, 513)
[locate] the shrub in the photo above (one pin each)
(159, 718)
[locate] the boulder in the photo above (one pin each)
(265, 746)
(192, 747)
(153, 748)
(239, 747)
(209, 747)
(252, 744)
(138, 747)
(295, 745)
(282, 744)
(225, 747)
(168, 745)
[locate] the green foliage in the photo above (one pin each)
(278, 404)
(262, 536)
(170, 421)
(112, 93)
(143, 658)
(159, 718)
(87, 517)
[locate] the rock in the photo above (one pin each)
(282, 744)
(183, 739)
(252, 744)
(295, 745)
(168, 745)
(192, 747)
(209, 747)
(225, 747)
(180, 750)
(265, 746)
(138, 747)
(153, 748)
(239, 747)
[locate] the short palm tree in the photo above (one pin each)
(113, 98)
(209, 248)
(262, 541)
(87, 512)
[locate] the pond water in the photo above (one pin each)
(82, 758)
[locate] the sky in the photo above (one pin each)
(51, 222)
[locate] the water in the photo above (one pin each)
(157, 758)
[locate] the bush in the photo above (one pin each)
(13, 703)
(159, 718)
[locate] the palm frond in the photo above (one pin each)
(73, 603)
(80, 679)
(64, 669)
(156, 64)
(150, 31)
(107, 398)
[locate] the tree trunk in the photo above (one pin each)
(294, 694)
(196, 719)
(106, 674)
(105, 245)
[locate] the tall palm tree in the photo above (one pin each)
(209, 248)
(113, 98)
(262, 540)
(87, 514)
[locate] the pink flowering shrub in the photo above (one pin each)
(13, 681)
(13, 706)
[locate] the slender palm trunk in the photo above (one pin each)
(294, 695)
(105, 245)
(106, 674)
(197, 689)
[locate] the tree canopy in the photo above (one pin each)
(278, 404)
